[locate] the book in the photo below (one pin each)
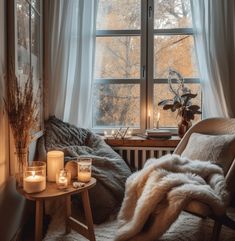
(158, 133)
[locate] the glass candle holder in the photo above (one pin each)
(34, 179)
(84, 169)
(63, 178)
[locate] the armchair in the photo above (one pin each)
(213, 126)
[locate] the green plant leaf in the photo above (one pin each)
(194, 108)
(177, 105)
(164, 102)
(189, 95)
(167, 107)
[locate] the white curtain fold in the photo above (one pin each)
(70, 51)
(214, 25)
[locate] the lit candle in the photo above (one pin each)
(62, 182)
(63, 179)
(55, 162)
(158, 119)
(34, 183)
(149, 118)
(84, 170)
(129, 133)
(84, 176)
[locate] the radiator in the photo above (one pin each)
(135, 157)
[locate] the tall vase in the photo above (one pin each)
(183, 126)
(22, 162)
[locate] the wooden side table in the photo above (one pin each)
(52, 192)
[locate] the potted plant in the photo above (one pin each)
(181, 102)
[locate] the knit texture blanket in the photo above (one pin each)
(108, 167)
(156, 195)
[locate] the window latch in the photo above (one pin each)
(143, 72)
(150, 11)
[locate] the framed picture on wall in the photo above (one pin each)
(25, 48)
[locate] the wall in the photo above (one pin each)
(4, 150)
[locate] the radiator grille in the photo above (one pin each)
(135, 157)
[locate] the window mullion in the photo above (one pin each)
(150, 81)
(143, 66)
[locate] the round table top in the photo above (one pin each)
(52, 191)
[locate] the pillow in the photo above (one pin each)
(215, 148)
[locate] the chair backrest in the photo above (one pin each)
(213, 126)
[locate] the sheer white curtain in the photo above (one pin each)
(69, 59)
(214, 24)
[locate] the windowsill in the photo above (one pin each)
(100, 131)
(137, 141)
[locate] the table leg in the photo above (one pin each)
(88, 214)
(38, 220)
(68, 213)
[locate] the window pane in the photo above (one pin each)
(35, 43)
(176, 52)
(23, 36)
(117, 57)
(172, 14)
(116, 105)
(118, 14)
(168, 118)
(36, 4)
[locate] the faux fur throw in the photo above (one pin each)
(156, 195)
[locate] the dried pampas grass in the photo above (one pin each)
(22, 109)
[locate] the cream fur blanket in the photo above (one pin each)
(155, 195)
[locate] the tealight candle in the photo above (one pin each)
(35, 177)
(84, 169)
(55, 162)
(129, 133)
(63, 179)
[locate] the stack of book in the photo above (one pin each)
(158, 133)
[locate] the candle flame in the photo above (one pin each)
(33, 173)
(149, 114)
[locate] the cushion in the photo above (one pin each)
(215, 148)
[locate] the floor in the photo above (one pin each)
(186, 228)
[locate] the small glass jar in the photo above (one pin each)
(84, 169)
(34, 179)
(63, 178)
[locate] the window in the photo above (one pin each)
(25, 47)
(136, 44)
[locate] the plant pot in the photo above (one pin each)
(183, 126)
(22, 162)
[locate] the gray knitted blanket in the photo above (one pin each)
(108, 167)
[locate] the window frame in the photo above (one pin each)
(146, 80)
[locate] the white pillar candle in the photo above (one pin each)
(34, 183)
(149, 119)
(55, 162)
(158, 119)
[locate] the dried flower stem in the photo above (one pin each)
(22, 110)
